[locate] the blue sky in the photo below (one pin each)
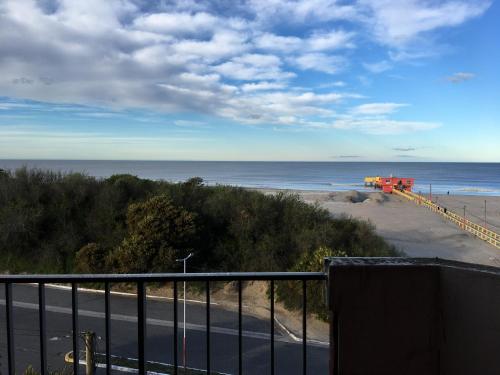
(366, 80)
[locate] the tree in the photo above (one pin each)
(91, 258)
(158, 233)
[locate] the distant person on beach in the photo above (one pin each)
(448, 192)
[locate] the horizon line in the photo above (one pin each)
(251, 161)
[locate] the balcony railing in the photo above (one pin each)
(141, 280)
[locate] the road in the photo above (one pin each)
(159, 345)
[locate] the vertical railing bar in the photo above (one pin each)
(43, 335)
(74, 321)
(107, 320)
(208, 325)
(10, 329)
(175, 328)
(141, 326)
(272, 327)
(304, 327)
(240, 329)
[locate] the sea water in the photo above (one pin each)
(455, 178)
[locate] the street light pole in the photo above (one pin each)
(485, 212)
(184, 320)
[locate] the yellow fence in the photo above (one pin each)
(477, 230)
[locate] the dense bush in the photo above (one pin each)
(72, 222)
(291, 292)
(158, 234)
(92, 258)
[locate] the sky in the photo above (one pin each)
(318, 80)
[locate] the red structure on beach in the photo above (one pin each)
(387, 184)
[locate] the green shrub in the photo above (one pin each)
(92, 258)
(130, 224)
(158, 233)
(291, 292)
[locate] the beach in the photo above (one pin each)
(413, 229)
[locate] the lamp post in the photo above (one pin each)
(485, 212)
(184, 320)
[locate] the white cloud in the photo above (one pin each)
(332, 84)
(301, 11)
(460, 77)
(262, 86)
(251, 67)
(318, 41)
(373, 118)
(320, 62)
(179, 23)
(328, 41)
(223, 44)
(189, 123)
(398, 23)
(382, 126)
(273, 42)
(377, 108)
(191, 56)
(281, 107)
(378, 67)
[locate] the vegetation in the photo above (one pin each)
(76, 223)
(290, 292)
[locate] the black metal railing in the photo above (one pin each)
(141, 280)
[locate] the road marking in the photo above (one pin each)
(81, 362)
(125, 294)
(153, 322)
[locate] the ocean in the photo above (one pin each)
(455, 178)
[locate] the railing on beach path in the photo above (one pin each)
(477, 230)
(141, 280)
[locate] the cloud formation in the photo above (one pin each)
(378, 67)
(398, 24)
(236, 61)
(346, 157)
(383, 126)
(377, 108)
(460, 77)
(404, 149)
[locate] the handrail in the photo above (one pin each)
(477, 230)
(156, 277)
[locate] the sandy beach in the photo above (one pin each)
(415, 230)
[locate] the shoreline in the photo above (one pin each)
(470, 179)
(372, 191)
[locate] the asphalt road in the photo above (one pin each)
(159, 345)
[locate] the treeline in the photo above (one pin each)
(60, 223)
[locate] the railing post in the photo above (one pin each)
(208, 328)
(272, 327)
(304, 327)
(41, 319)
(240, 329)
(89, 339)
(10, 329)
(74, 319)
(107, 313)
(141, 326)
(175, 329)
